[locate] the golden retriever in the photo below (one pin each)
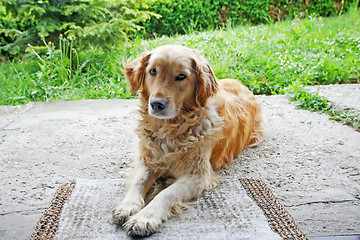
(191, 125)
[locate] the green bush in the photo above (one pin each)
(180, 16)
(91, 22)
(184, 16)
(108, 23)
(269, 59)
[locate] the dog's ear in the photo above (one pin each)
(207, 85)
(135, 71)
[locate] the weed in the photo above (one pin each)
(62, 74)
(308, 100)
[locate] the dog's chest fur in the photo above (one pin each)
(177, 147)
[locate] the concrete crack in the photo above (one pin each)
(26, 211)
(322, 202)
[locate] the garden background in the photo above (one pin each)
(68, 50)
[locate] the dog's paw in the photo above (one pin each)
(141, 225)
(124, 210)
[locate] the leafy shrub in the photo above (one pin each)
(181, 16)
(266, 58)
(184, 16)
(91, 22)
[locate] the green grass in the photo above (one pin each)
(267, 58)
(62, 74)
(305, 99)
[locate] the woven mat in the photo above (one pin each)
(236, 209)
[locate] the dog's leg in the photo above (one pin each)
(134, 199)
(184, 189)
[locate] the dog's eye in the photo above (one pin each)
(152, 72)
(180, 77)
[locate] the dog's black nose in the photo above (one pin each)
(158, 104)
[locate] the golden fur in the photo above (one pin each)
(191, 124)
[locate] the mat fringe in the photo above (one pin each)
(47, 225)
(278, 217)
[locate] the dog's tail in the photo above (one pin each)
(258, 131)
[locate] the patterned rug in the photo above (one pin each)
(235, 209)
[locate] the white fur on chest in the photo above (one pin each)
(169, 152)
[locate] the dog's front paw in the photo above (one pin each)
(141, 225)
(124, 210)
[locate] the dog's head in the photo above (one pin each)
(173, 79)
